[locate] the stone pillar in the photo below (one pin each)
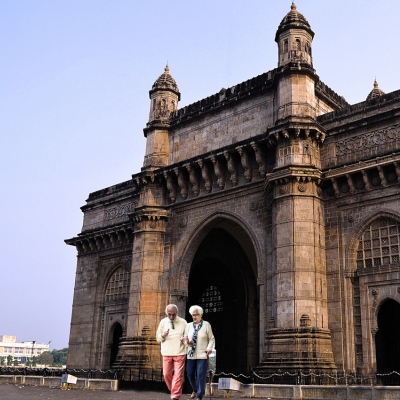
(298, 338)
(139, 349)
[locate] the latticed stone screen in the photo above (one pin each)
(379, 244)
(118, 285)
(211, 300)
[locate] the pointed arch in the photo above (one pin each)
(235, 226)
(219, 268)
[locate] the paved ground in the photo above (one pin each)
(19, 392)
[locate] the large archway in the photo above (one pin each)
(387, 339)
(223, 282)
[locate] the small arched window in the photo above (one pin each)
(297, 44)
(379, 244)
(285, 46)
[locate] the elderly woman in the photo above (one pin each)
(200, 341)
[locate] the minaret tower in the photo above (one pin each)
(164, 96)
(297, 336)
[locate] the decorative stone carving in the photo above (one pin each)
(153, 224)
(245, 162)
(182, 182)
(170, 186)
(382, 176)
(351, 184)
(366, 180)
(377, 139)
(218, 170)
(231, 168)
(119, 211)
(193, 179)
(183, 221)
(305, 321)
(205, 174)
(262, 167)
(302, 186)
(335, 187)
(253, 205)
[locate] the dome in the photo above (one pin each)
(165, 82)
(375, 92)
(293, 19)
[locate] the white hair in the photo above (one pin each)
(171, 306)
(194, 308)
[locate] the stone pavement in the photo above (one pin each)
(22, 392)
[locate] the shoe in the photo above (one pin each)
(193, 395)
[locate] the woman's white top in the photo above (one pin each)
(205, 340)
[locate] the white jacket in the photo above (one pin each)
(171, 345)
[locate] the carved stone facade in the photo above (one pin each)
(274, 205)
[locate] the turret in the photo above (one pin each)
(164, 96)
(294, 37)
(296, 101)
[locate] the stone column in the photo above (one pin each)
(139, 349)
(298, 338)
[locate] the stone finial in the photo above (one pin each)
(305, 321)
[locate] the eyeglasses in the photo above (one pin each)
(195, 315)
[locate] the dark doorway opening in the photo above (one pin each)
(116, 335)
(222, 282)
(387, 339)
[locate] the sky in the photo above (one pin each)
(74, 82)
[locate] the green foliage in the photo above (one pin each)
(45, 358)
(60, 356)
(15, 362)
(9, 360)
(2, 361)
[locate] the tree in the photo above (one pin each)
(45, 358)
(9, 360)
(2, 361)
(16, 361)
(60, 356)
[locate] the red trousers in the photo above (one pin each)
(174, 371)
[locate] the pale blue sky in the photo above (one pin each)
(74, 82)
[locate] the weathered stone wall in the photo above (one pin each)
(362, 188)
(214, 131)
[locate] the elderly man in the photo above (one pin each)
(169, 333)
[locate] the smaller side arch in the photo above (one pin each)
(387, 338)
(115, 334)
(352, 245)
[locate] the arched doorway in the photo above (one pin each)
(387, 339)
(116, 333)
(223, 283)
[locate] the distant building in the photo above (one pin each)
(273, 204)
(21, 351)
